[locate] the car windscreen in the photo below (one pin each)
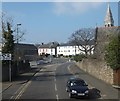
(79, 83)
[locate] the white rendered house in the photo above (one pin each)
(46, 50)
(49, 48)
(67, 50)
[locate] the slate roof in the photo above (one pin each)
(25, 46)
(49, 45)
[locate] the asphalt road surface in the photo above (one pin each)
(50, 83)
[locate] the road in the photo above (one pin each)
(50, 83)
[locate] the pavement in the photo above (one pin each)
(116, 86)
(23, 77)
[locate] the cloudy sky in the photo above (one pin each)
(56, 21)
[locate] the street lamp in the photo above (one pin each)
(17, 32)
(17, 48)
(51, 44)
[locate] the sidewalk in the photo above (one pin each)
(116, 86)
(22, 78)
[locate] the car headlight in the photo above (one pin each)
(73, 91)
(87, 91)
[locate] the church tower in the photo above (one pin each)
(108, 22)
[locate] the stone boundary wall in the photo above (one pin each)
(97, 68)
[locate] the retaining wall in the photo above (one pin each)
(98, 69)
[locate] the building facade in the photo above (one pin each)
(71, 50)
(25, 52)
(48, 49)
(105, 34)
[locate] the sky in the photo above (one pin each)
(45, 22)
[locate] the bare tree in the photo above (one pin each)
(17, 36)
(9, 35)
(84, 39)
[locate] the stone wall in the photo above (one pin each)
(102, 38)
(98, 69)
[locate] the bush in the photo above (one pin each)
(79, 57)
(112, 53)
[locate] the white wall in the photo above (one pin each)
(70, 50)
(64, 50)
(50, 51)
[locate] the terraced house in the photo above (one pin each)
(69, 49)
(48, 49)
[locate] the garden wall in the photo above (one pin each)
(98, 69)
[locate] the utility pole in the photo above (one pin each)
(51, 50)
(17, 48)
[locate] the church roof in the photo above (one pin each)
(109, 18)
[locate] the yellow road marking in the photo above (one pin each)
(23, 90)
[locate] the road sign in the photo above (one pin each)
(5, 56)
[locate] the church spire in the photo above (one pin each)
(108, 18)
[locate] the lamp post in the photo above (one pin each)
(51, 51)
(17, 47)
(17, 32)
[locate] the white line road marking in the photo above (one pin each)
(17, 91)
(103, 95)
(22, 91)
(55, 87)
(11, 97)
(57, 97)
(55, 79)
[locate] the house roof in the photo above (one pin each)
(66, 44)
(26, 46)
(49, 45)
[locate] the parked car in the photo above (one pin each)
(40, 62)
(77, 87)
